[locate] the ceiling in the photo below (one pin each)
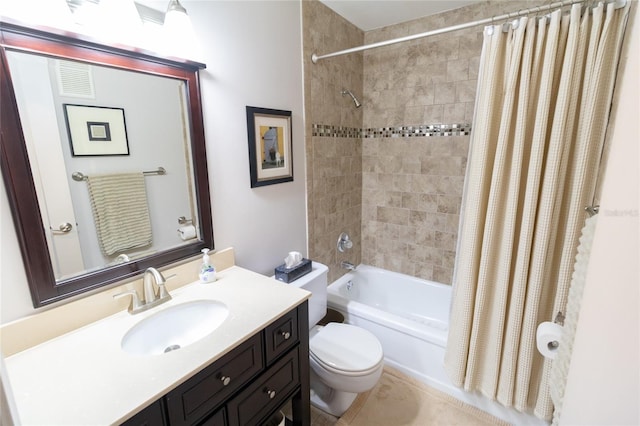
(371, 14)
(364, 14)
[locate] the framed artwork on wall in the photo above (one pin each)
(270, 146)
(95, 131)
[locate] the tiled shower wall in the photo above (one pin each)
(412, 185)
(334, 160)
(409, 165)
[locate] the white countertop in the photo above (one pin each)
(85, 378)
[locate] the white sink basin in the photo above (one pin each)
(174, 327)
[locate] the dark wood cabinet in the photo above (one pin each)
(153, 415)
(219, 418)
(246, 386)
(281, 335)
(195, 399)
(264, 396)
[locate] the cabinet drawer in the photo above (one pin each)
(200, 395)
(281, 335)
(267, 393)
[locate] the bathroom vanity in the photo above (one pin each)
(241, 369)
(244, 387)
(241, 373)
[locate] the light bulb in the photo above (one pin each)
(118, 21)
(180, 39)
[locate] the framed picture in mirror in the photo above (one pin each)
(270, 142)
(95, 130)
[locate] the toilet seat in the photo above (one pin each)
(345, 349)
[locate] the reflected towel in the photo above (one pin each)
(120, 211)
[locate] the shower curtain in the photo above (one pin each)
(542, 106)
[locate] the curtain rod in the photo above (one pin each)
(315, 58)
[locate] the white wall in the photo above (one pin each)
(603, 386)
(253, 52)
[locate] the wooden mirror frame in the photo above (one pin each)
(16, 169)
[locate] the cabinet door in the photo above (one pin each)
(218, 419)
(151, 416)
(264, 396)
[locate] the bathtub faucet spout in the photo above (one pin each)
(348, 265)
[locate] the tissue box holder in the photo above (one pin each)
(288, 275)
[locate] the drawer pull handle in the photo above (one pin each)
(285, 334)
(271, 393)
(225, 380)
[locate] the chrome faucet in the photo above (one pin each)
(151, 297)
(151, 275)
(348, 265)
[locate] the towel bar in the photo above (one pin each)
(79, 176)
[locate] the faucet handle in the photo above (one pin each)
(162, 290)
(135, 300)
(344, 242)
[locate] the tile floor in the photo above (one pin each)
(399, 400)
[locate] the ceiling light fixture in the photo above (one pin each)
(175, 6)
(180, 39)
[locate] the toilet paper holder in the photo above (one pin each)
(184, 221)
(548, 336)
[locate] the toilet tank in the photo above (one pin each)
(315, 282)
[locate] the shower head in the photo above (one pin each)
(355, 100)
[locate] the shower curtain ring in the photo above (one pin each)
(537, 12)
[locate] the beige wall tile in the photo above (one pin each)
(393, 215)
(458, 70)
(399, 197)
(454, 113)
(445, 93)
(466, 91)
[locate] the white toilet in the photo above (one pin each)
(345, 360)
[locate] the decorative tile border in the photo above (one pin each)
(418, 131)
(392, 132)
(335, 131)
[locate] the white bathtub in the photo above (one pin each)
(410, 317)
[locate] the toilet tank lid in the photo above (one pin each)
(318, 267)
(346, 347)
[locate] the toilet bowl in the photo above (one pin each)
(345, 360)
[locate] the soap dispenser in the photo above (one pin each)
(207, 271)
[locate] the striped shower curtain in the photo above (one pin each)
(542, 106)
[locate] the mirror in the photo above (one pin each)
(103, 156)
